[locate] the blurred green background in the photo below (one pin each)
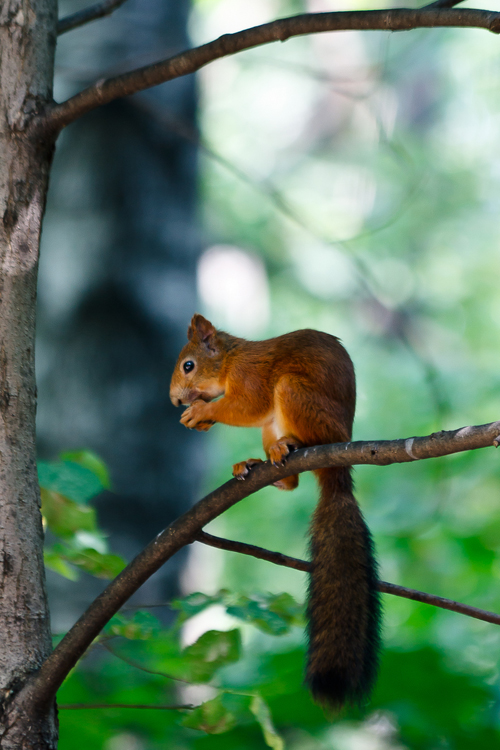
(351, 183)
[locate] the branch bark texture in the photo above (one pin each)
(397, 19)
(39, 691)
(27, 42)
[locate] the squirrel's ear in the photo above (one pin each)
(201, 329)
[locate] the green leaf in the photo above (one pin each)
(196, 602)
(211, 717)
(70, 479)
(65, 517)
(96, 563)
(141, 626)
(212, 650)
(261, 711)
(90, 560)
(271, 613)
(91, 461)
(84, 539)
(58, 564)
(287, 607)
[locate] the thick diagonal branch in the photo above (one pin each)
(41, 689)
(386, 588)
(92, 13)
(397, 19)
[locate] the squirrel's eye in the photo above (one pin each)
(188, 366)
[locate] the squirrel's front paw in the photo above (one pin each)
(196, 417)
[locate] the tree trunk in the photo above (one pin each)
(27, 42)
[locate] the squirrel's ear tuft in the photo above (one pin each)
(202, 330)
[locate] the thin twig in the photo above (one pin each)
(251, 549)
(81, 17)
(397, 19)
(73, 706)
(41, 688)
(142, 668)
(386, 588)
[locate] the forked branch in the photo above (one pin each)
(92, 13)
(42, 687)
(397, 19)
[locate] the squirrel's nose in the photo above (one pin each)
(176, 401)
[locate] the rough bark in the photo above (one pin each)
(27, 40)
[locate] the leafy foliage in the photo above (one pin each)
(272, 613)
(153, 657)
(140, 626)
(66, 488)
(146, 646)
(211, 717)
(260, 709)
(255, 693)
(80, 475)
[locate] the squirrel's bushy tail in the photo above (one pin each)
(344, 604)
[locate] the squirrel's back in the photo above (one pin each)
(317, 362)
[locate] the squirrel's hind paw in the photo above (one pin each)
(242, 469)
(279, 450)
(288, 483)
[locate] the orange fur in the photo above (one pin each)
(299, 388)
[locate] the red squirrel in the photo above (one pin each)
(300, 389)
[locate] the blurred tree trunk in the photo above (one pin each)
(117, 286)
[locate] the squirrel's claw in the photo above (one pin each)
(195, 417)
(242, 468)
(280, 450)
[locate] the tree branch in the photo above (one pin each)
(397, 19)
(142, 668)
(386, 588)
(43, 685)
(99, 10)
